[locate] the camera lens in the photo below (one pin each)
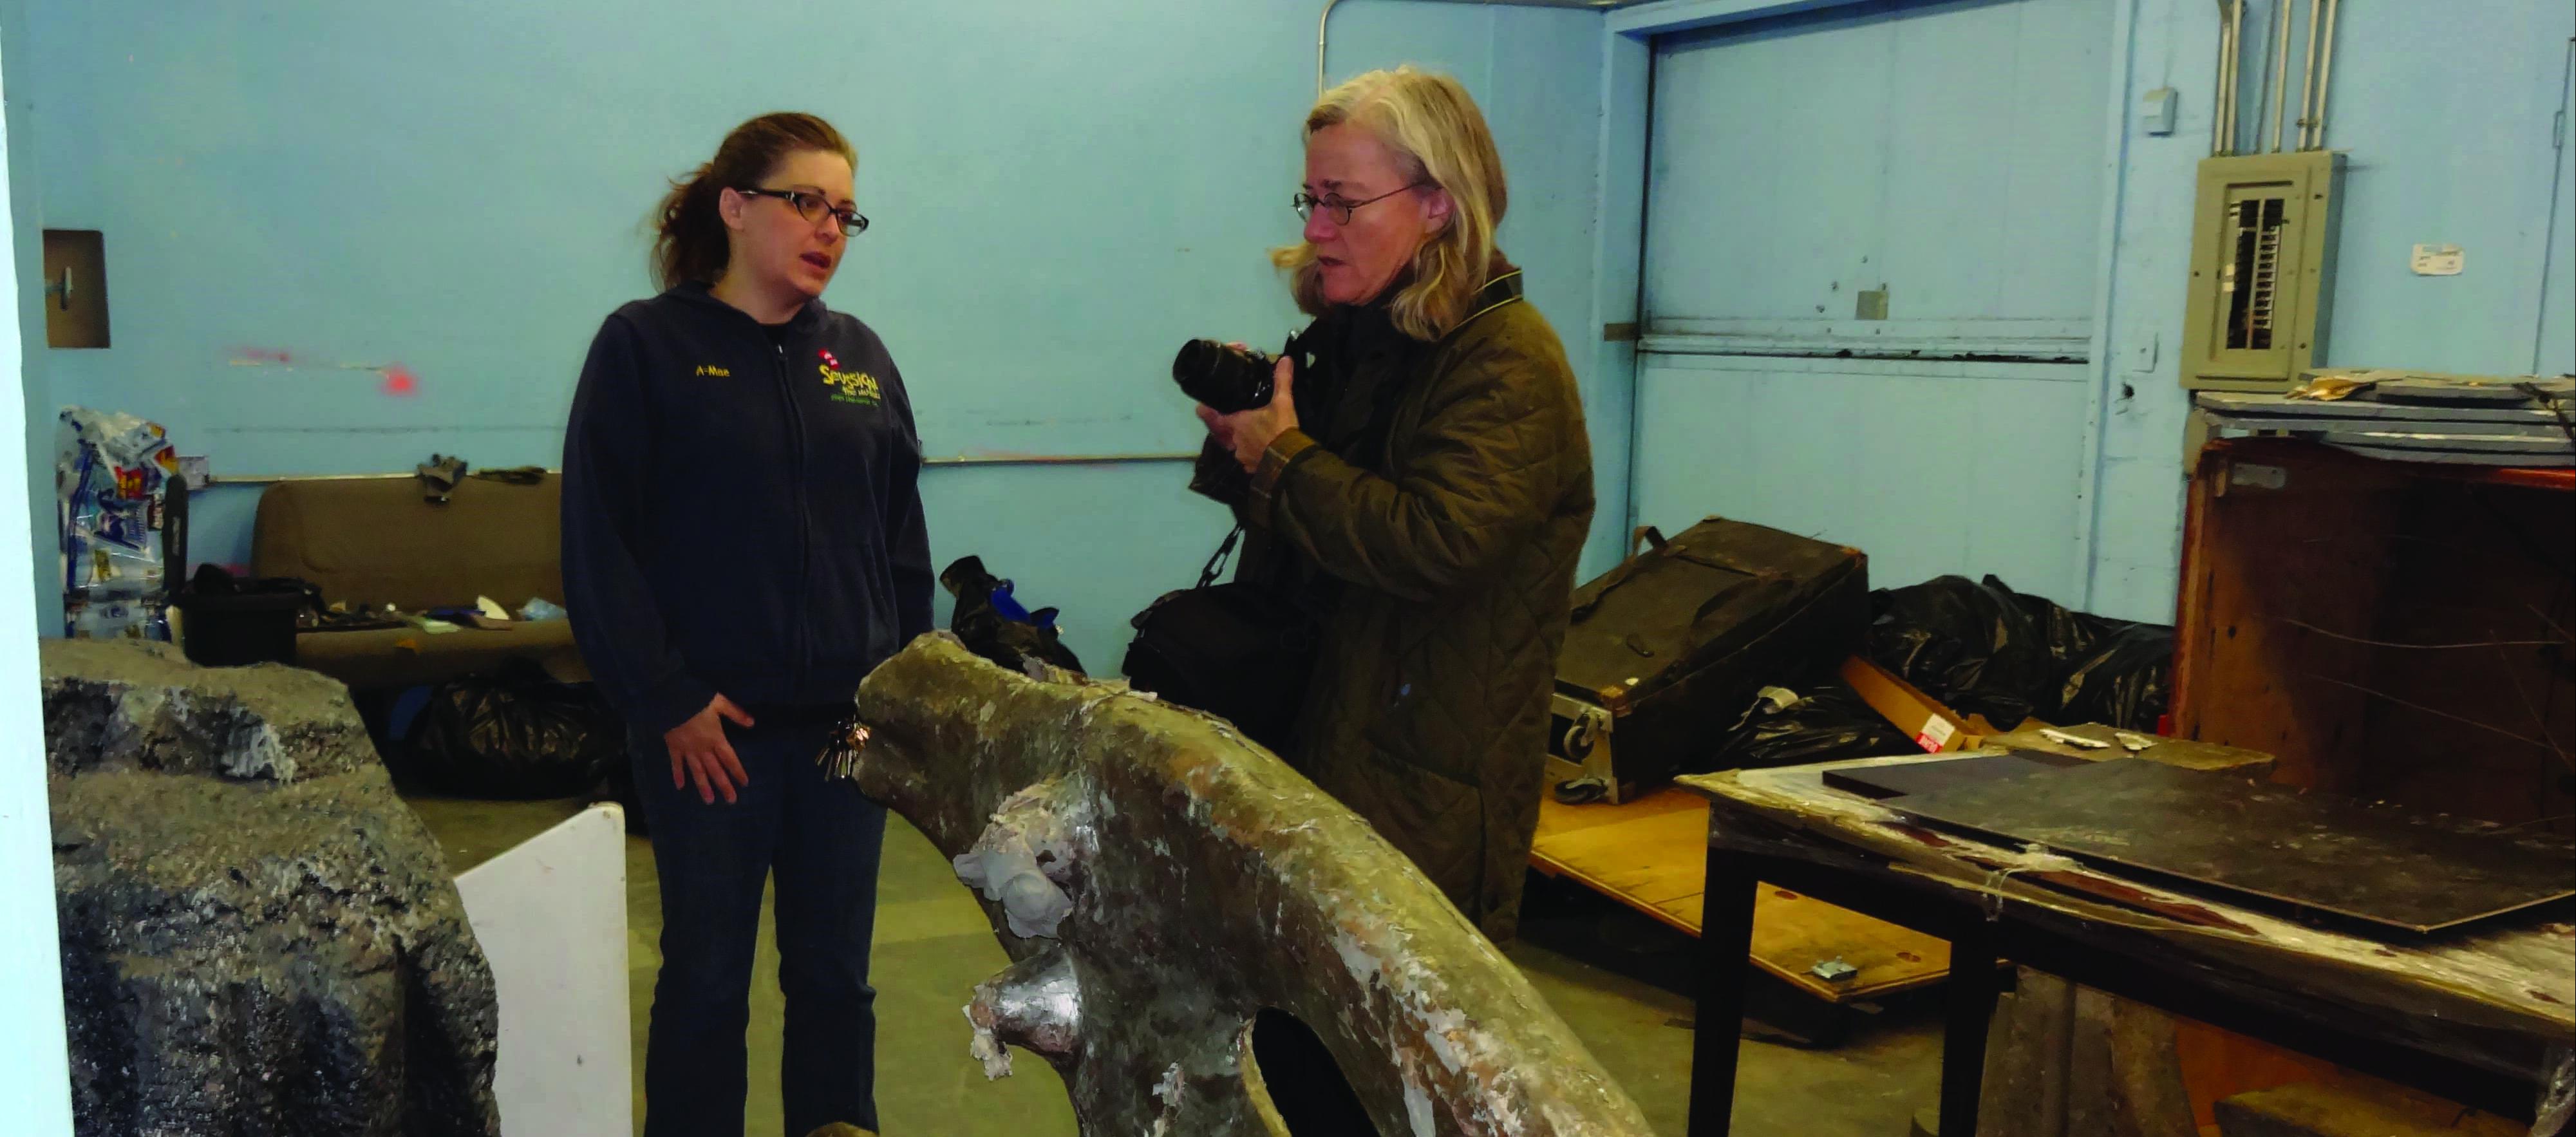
(1229, 380)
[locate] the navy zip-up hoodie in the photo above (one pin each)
(741, 514)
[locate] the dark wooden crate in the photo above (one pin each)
(2312, 578)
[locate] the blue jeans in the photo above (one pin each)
(821, 839)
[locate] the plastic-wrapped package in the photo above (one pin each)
(1827, 723)
(111, 472)
(117, 618)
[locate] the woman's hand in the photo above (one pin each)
(699, 750)
(1249, 433)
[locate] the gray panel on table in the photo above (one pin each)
(2315, 851)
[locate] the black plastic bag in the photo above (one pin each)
(514, 733)
(992, 623)
(2125, 679)
(1970, 644)
(1984, 649)
(1832, 722)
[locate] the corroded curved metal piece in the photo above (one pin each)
(1201, 881)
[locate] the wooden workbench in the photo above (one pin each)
(1651, 854)
(2483, 1017)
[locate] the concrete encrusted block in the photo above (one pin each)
(2026, 1059)
(2070, 1061)
(2148, 1095)
(257, 936)
(2091, 1090)
(1174, 881)
(129, 705)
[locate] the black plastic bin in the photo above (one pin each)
(239, 628)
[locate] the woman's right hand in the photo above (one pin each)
(699, 751)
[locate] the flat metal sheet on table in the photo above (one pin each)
(2362, 411)
(2315, 851)
(2464, 457)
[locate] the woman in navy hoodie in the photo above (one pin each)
(743, 542)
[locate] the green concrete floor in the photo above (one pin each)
(933, 946)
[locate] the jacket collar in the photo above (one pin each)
(1369, 329)
(700, 294)
(1500, 289)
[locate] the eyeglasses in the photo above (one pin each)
(813, 207)
(1339, 208)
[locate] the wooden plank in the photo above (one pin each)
(2217, 1065)
(1793, 933)
(1643, 860)
(1651, 855)
(1555, 817)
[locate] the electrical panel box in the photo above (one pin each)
(2262, 270)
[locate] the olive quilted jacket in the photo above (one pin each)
(1441, 500)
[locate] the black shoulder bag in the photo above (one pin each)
(1234, 650)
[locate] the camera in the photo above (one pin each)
(1229, 380)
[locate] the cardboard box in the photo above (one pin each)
(1935, 728)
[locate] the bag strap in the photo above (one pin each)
(1216, 564)
(1645, 535)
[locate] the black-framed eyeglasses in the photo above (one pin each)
(1339, 208)
(812, 207)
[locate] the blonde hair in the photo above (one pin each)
(1440, 139)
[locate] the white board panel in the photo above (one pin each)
(551, 915)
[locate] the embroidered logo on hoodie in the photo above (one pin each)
(848, 386)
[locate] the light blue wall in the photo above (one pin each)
(459, 190)
(1927, 467)
(1061, 194)
(2449, 114)
(1950, 154)
(34, 1079)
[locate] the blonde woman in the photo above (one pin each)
(1422, 488)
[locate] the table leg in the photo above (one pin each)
(1971, 1006)
(1725, 949)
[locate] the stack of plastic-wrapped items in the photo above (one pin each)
(111, 476)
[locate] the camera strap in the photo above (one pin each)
(1216, 564)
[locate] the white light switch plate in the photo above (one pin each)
(2156, 111)
(2439, 260)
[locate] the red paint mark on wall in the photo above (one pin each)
(400, 382)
